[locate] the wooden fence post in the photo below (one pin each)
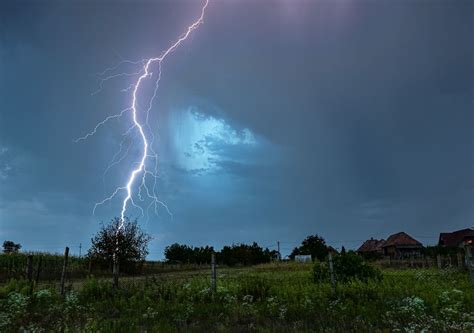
(470, 260)
(90, 266)
(38, 270)
(29, 268)
(116, 272)
(29, 271)
(438, 259)
(63, 273)
(459, 260)
(331, 272)
(213, 274)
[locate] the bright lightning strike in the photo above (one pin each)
(146, 137)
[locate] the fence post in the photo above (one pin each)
(38, 270)
(116, 272)
(459, 260)
(331, 271)
(90, 265)
(438, 259)
(470, 260)
(29, 271)
(63, 273)
(29, 268)
(213, 274)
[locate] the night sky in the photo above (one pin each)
(274, 120)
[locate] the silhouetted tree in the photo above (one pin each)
(236, 254)
(243, 254)
(187, 254)
(313, 245)
(130, 243)
(11, 247)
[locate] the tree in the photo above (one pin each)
(129, 243)
(243, 254)
(313, 245)
(11, 247)
(187, 254)
(237, 254)
(178, 253)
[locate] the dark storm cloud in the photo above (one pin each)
(362, 114)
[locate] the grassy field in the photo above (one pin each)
(268, 298)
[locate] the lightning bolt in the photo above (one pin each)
(143, 128)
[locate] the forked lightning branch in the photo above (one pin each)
(142, 180)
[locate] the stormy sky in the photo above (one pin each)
(274, 120)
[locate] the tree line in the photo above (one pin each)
(130, 244)
(230, 255)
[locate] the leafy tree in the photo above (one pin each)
(313, 245)
(236, 254)
(202, 255)
(11, 247)
(178, 253)
(243, 254)
(130, 243)
(187, 254)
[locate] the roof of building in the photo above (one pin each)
(453, 239)
(371, 245)
(331, 249)
(401, 239)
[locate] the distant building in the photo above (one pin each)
(459, 238)
(372, 247)
(401, 245)
(463, 239)
(303, 258)
(332, 250)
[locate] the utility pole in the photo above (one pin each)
(80, 249)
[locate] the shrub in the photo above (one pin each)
(347, 266)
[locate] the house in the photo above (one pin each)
(371, 247)
(459, 238)
(401, 245)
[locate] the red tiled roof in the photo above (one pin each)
(401, 239)
(452, 239)
(371, 245)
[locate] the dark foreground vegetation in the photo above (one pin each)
(270, 297)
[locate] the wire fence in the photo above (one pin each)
(70, 271)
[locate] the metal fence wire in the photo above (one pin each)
(67, 271)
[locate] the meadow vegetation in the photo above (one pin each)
(270, 297)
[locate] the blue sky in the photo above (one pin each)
(275, 120)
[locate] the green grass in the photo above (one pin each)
(265, 298)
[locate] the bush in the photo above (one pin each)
(347, 266)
